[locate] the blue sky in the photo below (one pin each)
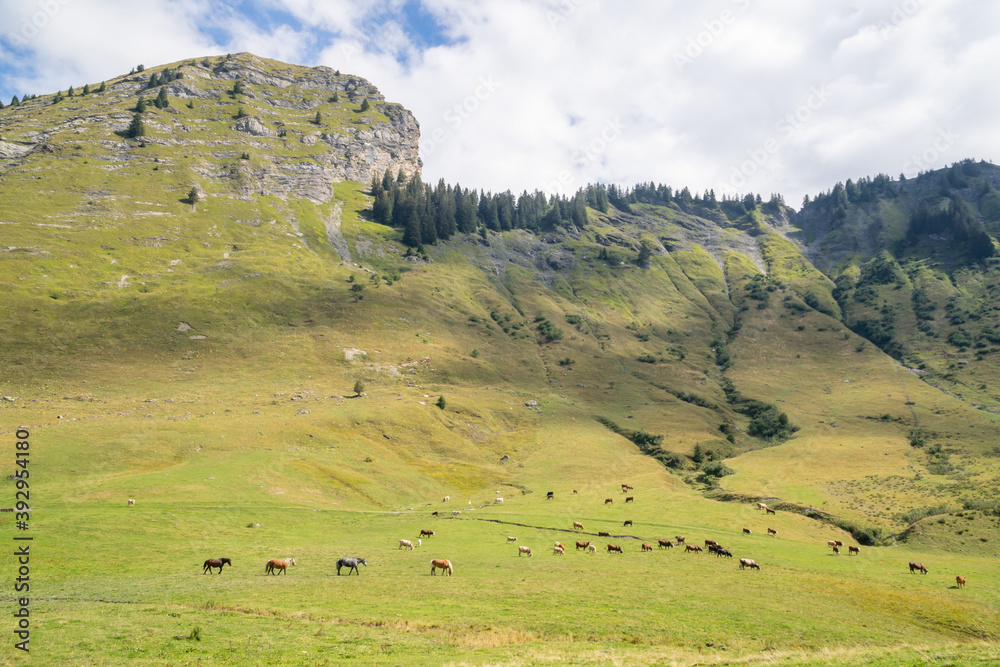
(733, 95)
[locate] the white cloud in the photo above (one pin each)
(559, 73)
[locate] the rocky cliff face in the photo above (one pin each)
(254, 126)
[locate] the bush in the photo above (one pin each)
(359, 387)
(717, 469)
(567, 361)
(441, 403)
(646, 359)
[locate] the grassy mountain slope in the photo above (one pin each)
(200, 357)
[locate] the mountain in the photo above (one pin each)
(202, 313)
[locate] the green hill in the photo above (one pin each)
(189, 311)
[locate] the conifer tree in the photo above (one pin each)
(69, 93)
(161, 100)
(136, 128)
(365, 106)
(193, 196)
(103, 87)
(318, 119)
(14, 101)
(86, 89)
(140, 106)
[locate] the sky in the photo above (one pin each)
(764, 96)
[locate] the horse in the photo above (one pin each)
(511, 539)
(608, 501)
(691, 547)
(628, 522)
(558, 550)
(768, 510)
(278, 564)
(629, 499)
(405, 544)
(215, 562)
(614, 548)
(350, 564)
(591, 548)
(747, 563)
(428, 533)
(772, 531)
(441, 564)
(647, 547)
(960, 580)
(131, 502)
(665, 544)
(582, 545)
(747, 531)
(577, 524)
(679, 538)
(914, 567)
(524, 550)
(854, 550)
(603, 534)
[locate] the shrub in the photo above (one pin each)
(359, 387)
(717, 469)
(646, 358)
(441, 403)
(567, 361)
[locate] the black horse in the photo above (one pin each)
(215, 562)
(350, 564)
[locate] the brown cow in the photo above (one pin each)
(560, 545)
(666, 544)
(838, 543)
(574, 491)
(550, 495)
(628, 522)
(711, 543)
(435, 513)
(772, 531)
(770, 511)
(608, 501)
(691, 547)
(960, 580)
(582, 545)
(629, 499)
(747, 531)
(614, 548)
(914, 567)
(577, 524)
(647, 547)
(836, 551)
(427, 533)
(626, 488)
(853, 550)
(761, 506)
(603, 534)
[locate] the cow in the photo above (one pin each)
(747, 531)
(748, 563)
(679, 538)
(836, 551)
(446, 499)
(769, 510)
(426, 533)
(511, 539)
(647, 547)
(405, 544)
(665, 544)
(831, 543)
(558, 550)
(772, 531)
(575, 491)
(591, 548)
(614, 548)
(603, 534)
(838, 543)
(435, 513)
(456, 512)
(628, 522)
(582, 545)
(131, 502)
(691, 547)
(577, 524)
(498, 501)
(550, 495)
(854, 550)
(524, 550)
(629, 499)
(915, 567)
(608, 501)
(709, 543)
(959, 580)
(626, 488)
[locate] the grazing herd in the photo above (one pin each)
(280, 566)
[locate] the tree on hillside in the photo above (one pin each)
(193, 196)
(318, 119)
(140, 68)
(86, 89)
(1, 104)
(140, 106)
(365, 106)
(14, 101)
(103, 87)
(136, 128)
(161, 101)
(441, 403)
(359, 388)
(69, 93)
(645, 254)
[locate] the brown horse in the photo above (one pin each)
(276, 564)
(441, 564)
(215, 562)
(628, 522)
(915, 567)
(960, 580)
